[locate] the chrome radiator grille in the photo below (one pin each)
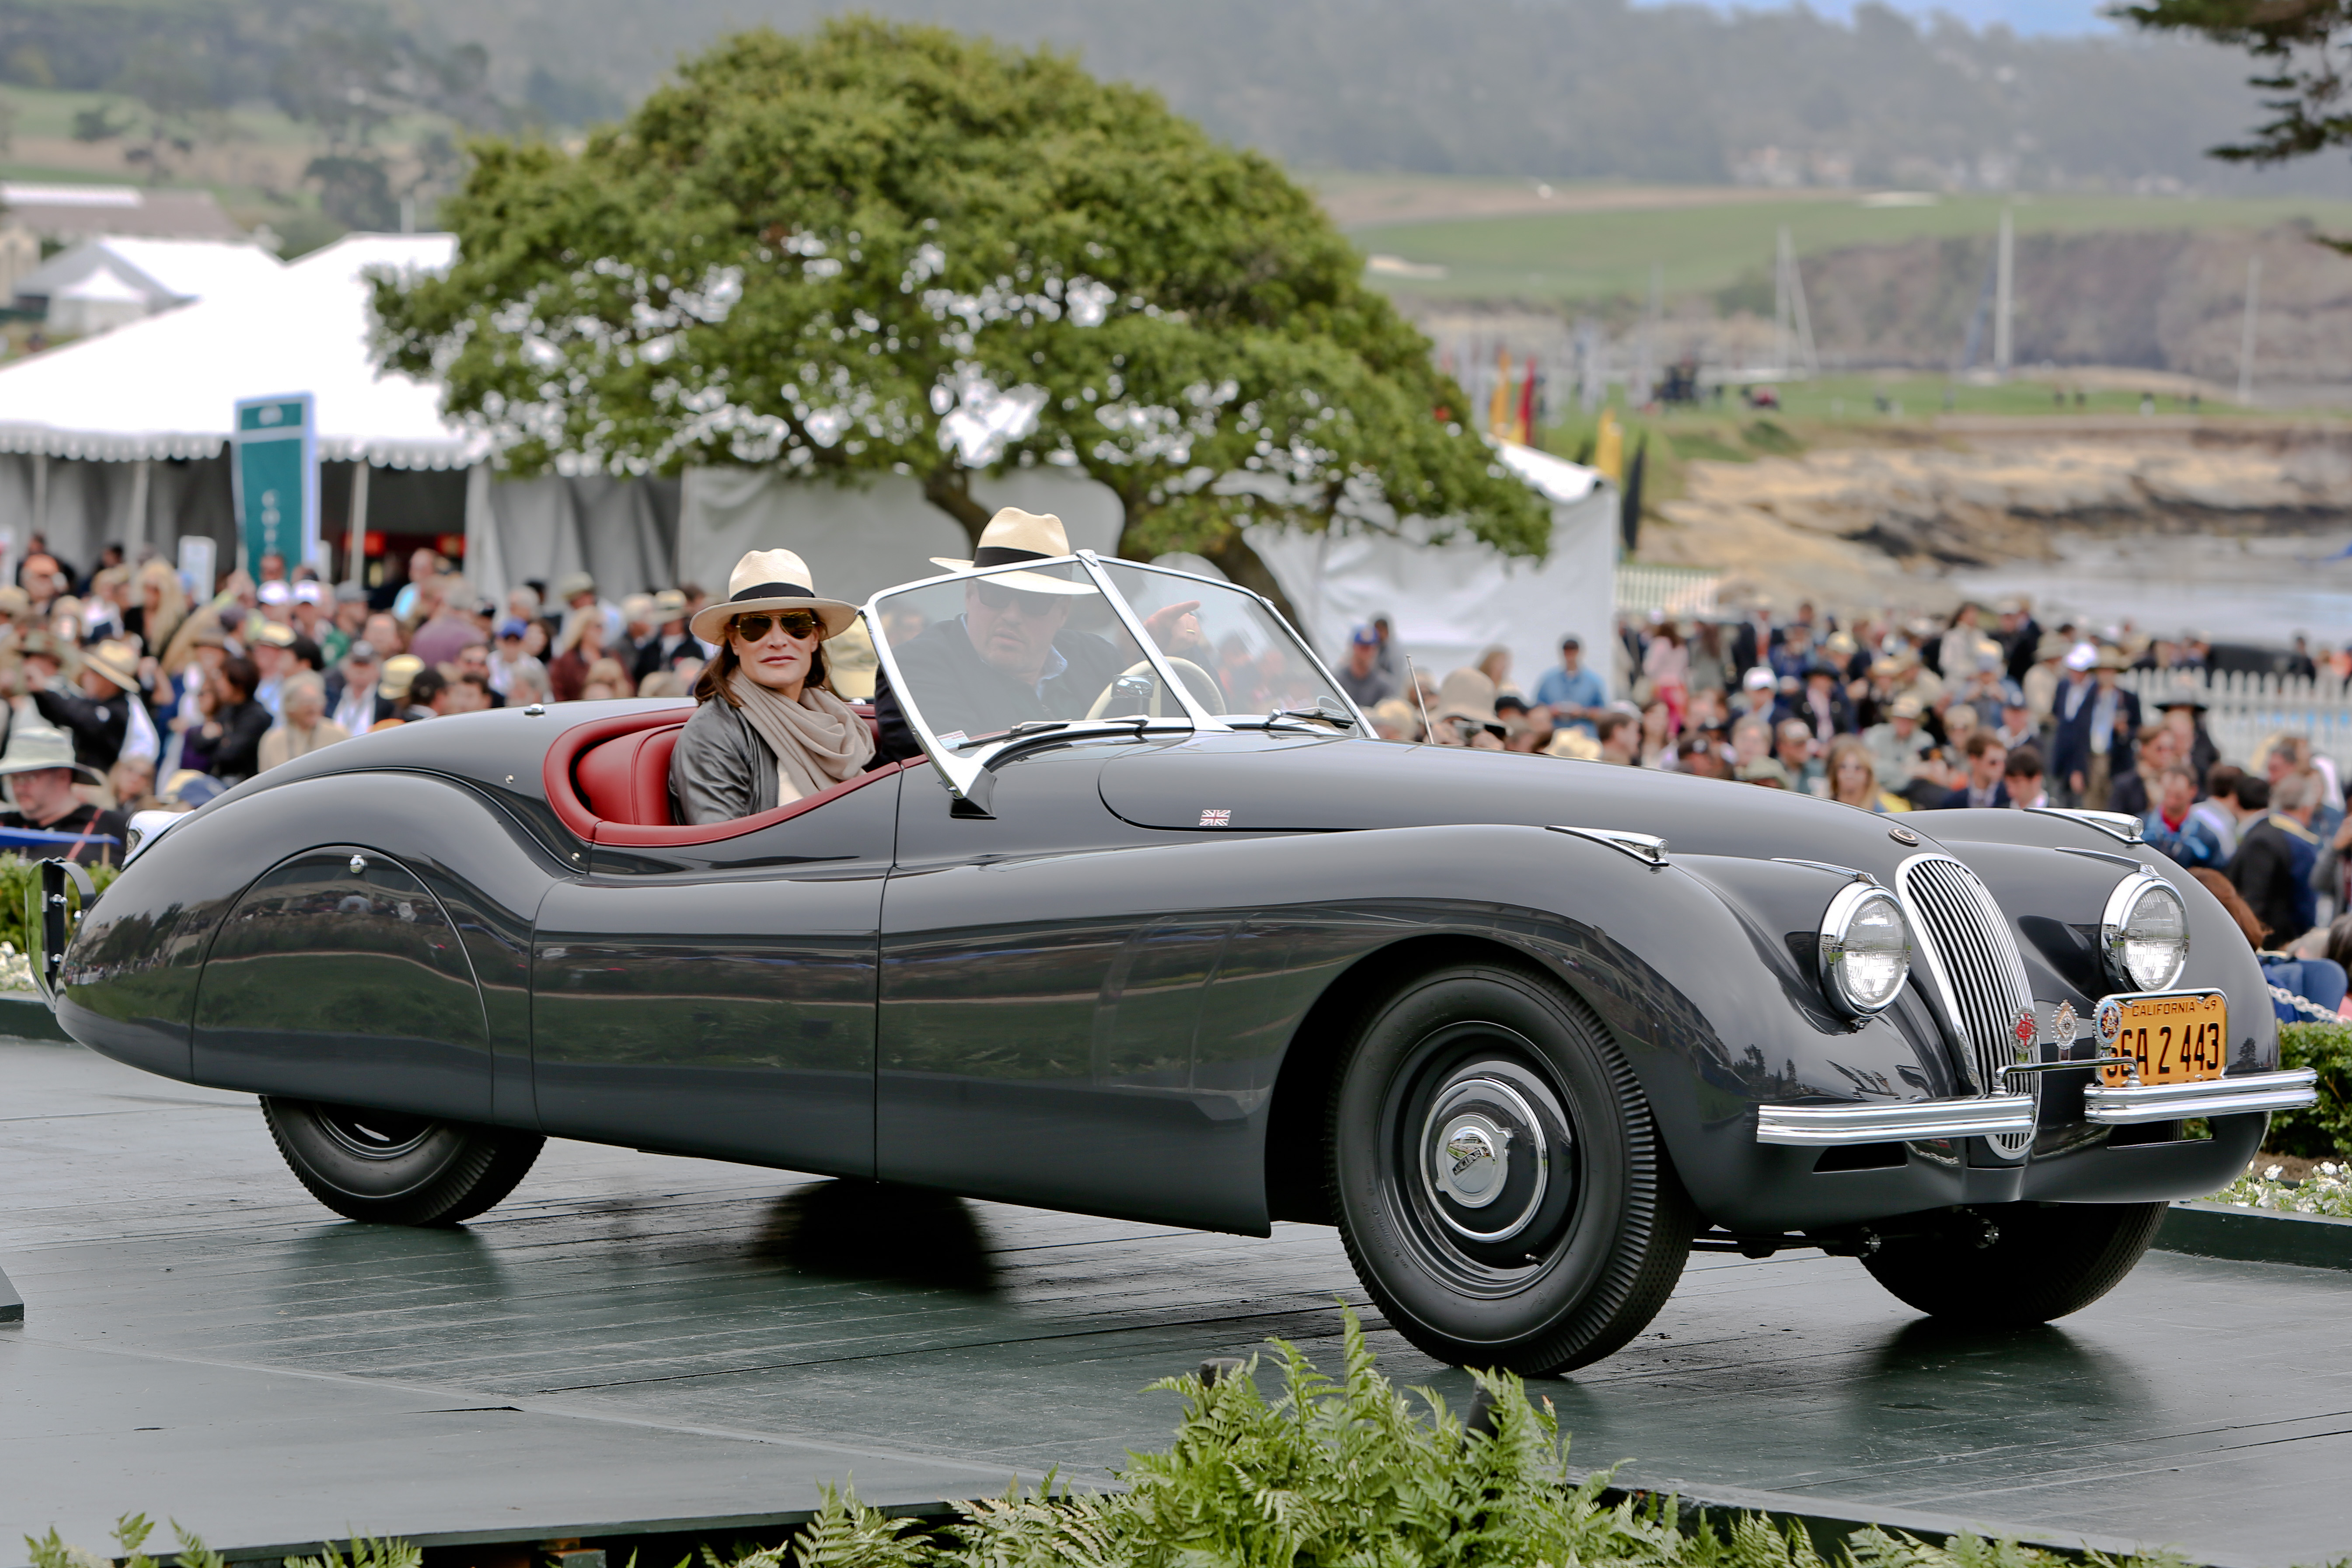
(1967, 942)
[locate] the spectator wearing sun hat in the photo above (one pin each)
(39, 770)
(669, 641)
(101, 710)
(576, 591)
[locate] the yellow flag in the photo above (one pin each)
(1498, 409)
(1609, 447)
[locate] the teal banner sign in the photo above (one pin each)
(274, 470)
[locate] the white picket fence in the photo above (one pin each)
(1676, 589)
(2244, 711)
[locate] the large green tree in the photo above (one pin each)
(895, 249)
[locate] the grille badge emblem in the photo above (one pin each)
(2024, 1030)
(2064, 1022)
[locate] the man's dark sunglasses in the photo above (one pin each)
(996, 595)
(795, 622)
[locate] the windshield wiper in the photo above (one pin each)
(1325, 711)
(1042, 725)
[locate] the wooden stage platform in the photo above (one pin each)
(634, 1343)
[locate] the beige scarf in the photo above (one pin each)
(818, 741)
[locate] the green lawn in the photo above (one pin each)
(1602, 255)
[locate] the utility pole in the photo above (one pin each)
(1781, 354)
(2005, 275)
(1646, 368)
(2246, 335)
(1796, 348)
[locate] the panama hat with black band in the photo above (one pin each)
(1013, 535)
(770, 579)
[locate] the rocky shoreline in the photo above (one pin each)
(1889, 521)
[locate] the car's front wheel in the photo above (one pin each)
(1496, 1176)
(398, 1169)
(2017, 1262)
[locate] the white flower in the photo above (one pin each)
(2274, 1173)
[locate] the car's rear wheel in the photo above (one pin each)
(398, 1169)
(1496, 1176)
(2038, 1260)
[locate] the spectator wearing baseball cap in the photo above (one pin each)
(1360, 677)
(352, 701)
(1574, 694)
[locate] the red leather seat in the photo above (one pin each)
(626, 779)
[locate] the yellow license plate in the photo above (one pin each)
(2177, 1037)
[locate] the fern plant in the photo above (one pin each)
(1344, 1473)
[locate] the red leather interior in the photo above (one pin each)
(608, 781)
(626, 779)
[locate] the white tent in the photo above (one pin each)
(1449, 602)
(163, 387)
(122, 438)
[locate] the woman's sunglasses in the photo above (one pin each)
(796, 624)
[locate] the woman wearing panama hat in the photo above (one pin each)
(769, 729)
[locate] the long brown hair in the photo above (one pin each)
(712, 682)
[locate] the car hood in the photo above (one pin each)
(1309, 784)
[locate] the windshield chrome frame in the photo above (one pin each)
(965, 773)
(1363, 720)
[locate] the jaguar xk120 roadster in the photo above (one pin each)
(1526, 1030)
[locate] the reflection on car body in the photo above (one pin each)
(1201, 953)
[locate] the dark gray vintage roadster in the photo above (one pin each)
(1526, 1030)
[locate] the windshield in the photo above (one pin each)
(981, 659)
(980, 655)
(1237, 656)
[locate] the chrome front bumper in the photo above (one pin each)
(1820, 1126)
(2286, 1090)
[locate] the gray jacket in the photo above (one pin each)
(721, 769)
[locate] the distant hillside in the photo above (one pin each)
(1550, 88)
(2166, 301)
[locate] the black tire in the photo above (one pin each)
(397, 1169)
(2049, 1260)
(1484, 1056)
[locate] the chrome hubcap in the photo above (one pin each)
(1484, 1158)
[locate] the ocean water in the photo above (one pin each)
(2254, 590)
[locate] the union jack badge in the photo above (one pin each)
(1217, 818)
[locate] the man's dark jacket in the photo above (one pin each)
(2272, 871)
(96, 727)
(961, 689)
(2071, 753)
(237, 754)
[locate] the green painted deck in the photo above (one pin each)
(633, 1340)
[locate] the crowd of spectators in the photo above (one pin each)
(123, 694)
(1985, 707)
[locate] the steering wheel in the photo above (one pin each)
(1183, 668)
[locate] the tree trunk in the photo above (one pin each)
(1231, 555)
(1242, 565)
(949, 487)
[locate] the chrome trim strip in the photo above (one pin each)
(1647, 848)
(1822, 1126)
(2116, 825)
(2289, 1089)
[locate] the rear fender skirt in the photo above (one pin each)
(131, 976)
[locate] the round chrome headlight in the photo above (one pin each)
(2144, 933)
(1865, 948)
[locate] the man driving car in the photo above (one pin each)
(1011, 657)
